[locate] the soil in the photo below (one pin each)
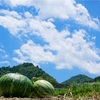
(50, 98)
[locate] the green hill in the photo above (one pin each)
(80, 79)
(29, 70)
(97, 79)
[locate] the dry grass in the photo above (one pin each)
(50, 98)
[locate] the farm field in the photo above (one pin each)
(83, 92)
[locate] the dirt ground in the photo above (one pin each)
(51, 98)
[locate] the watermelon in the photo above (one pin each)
(43, 88)
(15, 85)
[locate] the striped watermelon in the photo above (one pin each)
(14, 84)
(43, 88)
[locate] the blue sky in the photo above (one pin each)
(61, 36)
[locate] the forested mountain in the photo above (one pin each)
(78, 79)
(29, 70)
(97, 79)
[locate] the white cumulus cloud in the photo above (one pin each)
(64, 49)
(62, 9)
(3, 57)
(34, 53)
(12, 21)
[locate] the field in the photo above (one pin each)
(87, 91)
(75, 92)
